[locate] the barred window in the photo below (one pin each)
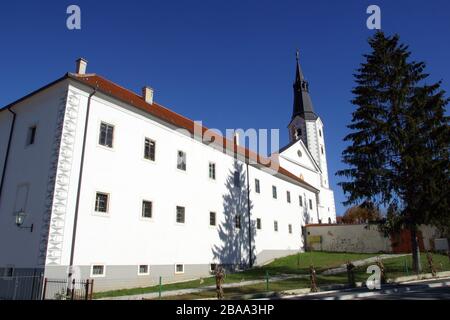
(180, 214)
(212, 170)
(147, 207)
(101, 202)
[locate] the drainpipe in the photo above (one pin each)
(5, 164)
(250, 258)
(317, 207)
(80, 178)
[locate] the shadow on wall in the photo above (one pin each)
(306, 219)
(236, 238)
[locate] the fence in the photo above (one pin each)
(21, 287)
(63, 289)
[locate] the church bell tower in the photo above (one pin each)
(306, 125)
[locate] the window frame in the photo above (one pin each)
(215, 219)
(176, 268)
(236, 179)
(275, 226)
(257, 186)
(99, 142)
(98, 275)
(108, 201)
(212, 164)
(290, 228)
(145, 149)
(28, 142)
(142, 209)
(184, 215)
(258, 224)
(143, 273)
(310, 204)
(300, 200)
(274, 192)
(288, 196)
(237, 221)
(183, 169)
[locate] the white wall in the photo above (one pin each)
(348, 238)
(29, 167)
(122, 237)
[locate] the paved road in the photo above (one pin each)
(418, 290)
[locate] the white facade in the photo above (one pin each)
(42, 179)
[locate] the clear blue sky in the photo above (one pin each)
(228, 63)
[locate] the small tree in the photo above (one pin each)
(365, 212)
(398, 155)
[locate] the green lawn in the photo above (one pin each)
(395, 267)
(294, 264)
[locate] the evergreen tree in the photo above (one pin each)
(398, 155)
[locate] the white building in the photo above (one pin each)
(105, 181)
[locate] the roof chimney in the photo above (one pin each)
(81, 66)
(147, 94)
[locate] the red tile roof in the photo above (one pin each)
(110, 88)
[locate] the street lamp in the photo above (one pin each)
(20, 218)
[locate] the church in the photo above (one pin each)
(102, 183)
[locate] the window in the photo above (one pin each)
(275, 226)
(212, 218)
(98, 270)
(274, 192)
(147, 207)
(237, 181)
(321, 149)
(101, 202)
(237, 221)
(288, 196)
(31, 135)
(181, 160)
(329, 220)
(298, 133)
(212, 267)
(9, 271)
(180, 214)
(320, 132)
(106, 135)
(257, 187)
(212, 170)
(290, 228)
(149, 149)
(258, 223)
(300, 201)
(143, 269)
(179, 268)
(310, 204)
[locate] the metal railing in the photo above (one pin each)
(21, 287)
(64, 289)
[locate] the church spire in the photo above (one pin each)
(302, 101)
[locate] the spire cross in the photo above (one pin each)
(297, 53)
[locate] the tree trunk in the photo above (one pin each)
(415, 250)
